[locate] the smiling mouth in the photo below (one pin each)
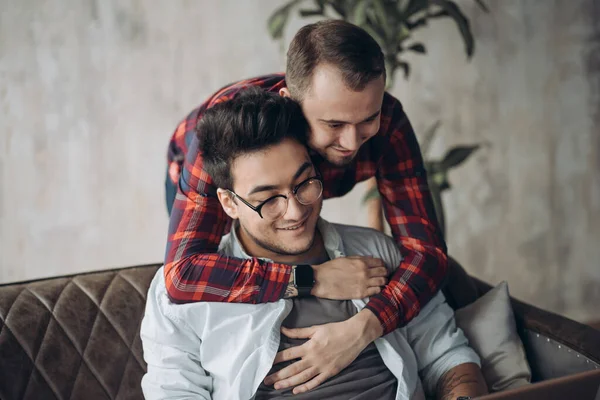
(295, 227)
(344, 152)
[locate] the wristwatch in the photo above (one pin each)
(464, 398)
(304, 279)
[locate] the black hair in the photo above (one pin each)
(251, 121)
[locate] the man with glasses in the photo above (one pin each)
(254, 148)
(336, 71)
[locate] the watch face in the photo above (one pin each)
(304, 276)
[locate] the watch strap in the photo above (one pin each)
(304, 279)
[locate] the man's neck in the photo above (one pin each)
(316, 252)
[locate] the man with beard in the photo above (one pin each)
(255, 150)
(336, 71)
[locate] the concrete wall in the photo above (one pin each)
(527, 208)
(90, 92)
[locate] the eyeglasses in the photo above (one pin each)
(306, 192)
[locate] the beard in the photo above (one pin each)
(341, 161)
(336, 159)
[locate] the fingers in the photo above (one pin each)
(374, 286)
(316, 381)
(292, 371)
(372, 291)
(373, 262)
(290, 354)
(377, 282)
(297, 379)
(298, 333)
(377, 272)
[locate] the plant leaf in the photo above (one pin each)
(452, 10)
(373, 30)
(405, 67)
(310, 13)
(429, 135)
(277, 21)
(415, 6)
(482, 5)
(430, 166)
(418, 48)
(320, 4)
(402, 5)
(458, 155)
(390, 67)
(439, 178)
(436, 196)
(359, 13)
(445, 185)
(340, 7)
(382, 18)
(403, 33)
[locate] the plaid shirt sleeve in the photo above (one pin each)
(194, 271)
(409, 209)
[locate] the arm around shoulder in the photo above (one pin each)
(402, 183)
(194, 271)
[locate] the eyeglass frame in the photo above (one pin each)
(294, 192)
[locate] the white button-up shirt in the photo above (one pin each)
(225, 350)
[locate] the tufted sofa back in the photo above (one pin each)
(74, 337)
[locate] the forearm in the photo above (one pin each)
(410, 212)
(218, 278)
(415, 282)
(462, 380)
(418, 277)
(194, 271)
(367, 326)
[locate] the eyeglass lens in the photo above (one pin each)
(306, 194)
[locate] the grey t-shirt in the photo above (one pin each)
(366, 378)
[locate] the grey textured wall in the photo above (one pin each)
(527, 208)
(90, 92)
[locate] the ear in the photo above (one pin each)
(228, 203)
(284, 92)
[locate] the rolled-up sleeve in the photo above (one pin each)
(172, 352)
(439, 345)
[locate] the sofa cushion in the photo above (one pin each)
(489, 324)
(74, 337)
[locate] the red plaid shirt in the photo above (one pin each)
(195, 272)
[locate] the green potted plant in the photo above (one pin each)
(392, 23)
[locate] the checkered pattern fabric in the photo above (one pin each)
(194, 272)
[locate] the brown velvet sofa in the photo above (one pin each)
(77, 337)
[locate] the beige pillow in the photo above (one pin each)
(489, 324)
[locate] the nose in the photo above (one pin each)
(295, 211)
(349, 138)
